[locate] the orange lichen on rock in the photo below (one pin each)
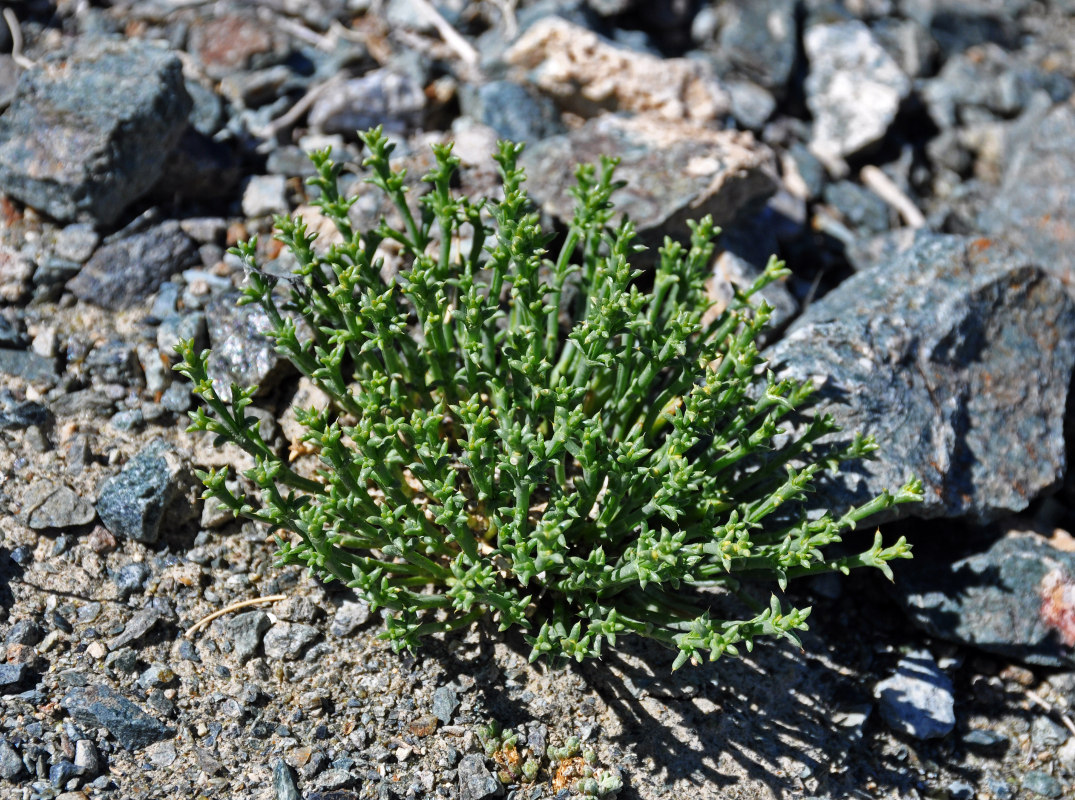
(1058, 604)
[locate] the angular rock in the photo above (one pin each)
(86, 759)
(1015, 599)
(133, 504)
(382, 97)
(102, 707)
(241, 353)
(285, 641)
(137, 627)
(854, 87)
(956, 356)
(349, 617)
(1043, 784)
(515, 112)
(588, 75)
(28, 365)
(445, 702)
(989, 78)
(127, 271)
(283, 781)
(265, 194)
(918, 699)
(48, 505)
(245, 631)
(19, 415)
(1035, 208)
(674, 171)
(229, 43)
(476, 782)
(88, 131)
(751, 105)
(758, 38)
(11, 765)
(13, 675)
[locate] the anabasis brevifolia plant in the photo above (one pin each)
(556, 440)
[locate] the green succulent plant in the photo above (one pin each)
(553, 439)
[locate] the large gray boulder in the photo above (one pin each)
(88, 131)
(957, 356)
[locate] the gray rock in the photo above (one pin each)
(515, 112)
(751, 104)
(957, 25)
(758, 39)
(241, 353)
(130, 578)
(102, 707)
(156, 676)
(1044, 733)
(124, 273)
(12, 675)
(88, 131)
(673, 171)
(61, 772)
(264, 195)
(381, 97)
(176, 327)
(134, 503)
(854, 87)
(76, 242)
(283, 781)
(48, 505)
(957, 357)
(113, 361)
(28, 365)
(1042, 783)
(860, 209)
(24, 631)
(333, 779)
(11, 765)
(1009, 600)
(909, 42)
(985, 739)
(19, 415)
(12, 335)
(475, 780)
(285, 641)
(86, 759)
(297, 609)
(1035, 208)
(349, 617)
(137, 627)
(445, 702)
(918, 699)
(991, 79)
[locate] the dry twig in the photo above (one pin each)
(885, 188)
(256, 601)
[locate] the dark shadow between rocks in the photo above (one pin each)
(9, 571)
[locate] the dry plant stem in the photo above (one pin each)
(256, 601)
(881, 185)
(1037, 699)
(450, 35)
